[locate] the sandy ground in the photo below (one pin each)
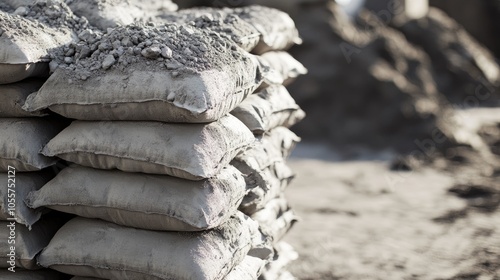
(362, 221)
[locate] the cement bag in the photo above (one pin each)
(276, 218)
(221, 21)
(282, 139)
(276, 270)
(268, 109)
(189, 151)
(266, 174)
(192, 76)
(249, 269)
(273, 181)
(25, 43)
(22, 183)
(137, 200)
(94, 248)
(109, 14)
(12, 73)
(287, 66)
(13, 97)
(277, 29)
(31, 275)
(22, 140)
(27, 243)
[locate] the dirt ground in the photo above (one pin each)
(362, 221)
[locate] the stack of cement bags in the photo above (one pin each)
(24, 232)
(164, 181)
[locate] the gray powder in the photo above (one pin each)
(175, 47)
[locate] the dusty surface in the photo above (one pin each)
(362, 221)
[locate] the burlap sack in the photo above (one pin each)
(31, 275)
(222, 21)
(190, 151)
(277, 29)
(94, 248)
(249, 269)
(283, 139)
(206, 86)
(13, 97)
(109, 14)
(272, 182)
(12, 73)
(137, 200)
(27, 243)
(22, 140)
(276, 218)
(282, 62)
(24, 43)
(268, 109)
(22, 184)
(264, 166)
(276, 270)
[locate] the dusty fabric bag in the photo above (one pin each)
(277, 29)
(249, 269)
(109, 14)
(222, 21)
(192, 76)
(283, 139)
(276, 218)
(13, 97)
(272, 182)
(190, 151)
(94, 248)
(283, 256)
(23, 54)
(28, 243)
(31, 275)
(282, 62)
(12, 73)
(268, 109)
(22, 183)
(22, 140)
(153, 202)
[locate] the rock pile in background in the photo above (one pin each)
(175, 158)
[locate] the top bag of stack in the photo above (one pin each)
(170, 73)
(112, 13)
(27, 36)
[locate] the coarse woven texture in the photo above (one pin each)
(268, 109)
(222, 21)
(190, 151)
(249, 269)
(28, 38)
(23, 183)
(12, 73)
(276, 270)
(22, 141)
(288, 67)
(192, 75)
(28, 243)
(276, 218)
(13, 97)
(277, 29)
(31, 275)
(94, 248)
(137, 200)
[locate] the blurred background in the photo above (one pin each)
(398, 171)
